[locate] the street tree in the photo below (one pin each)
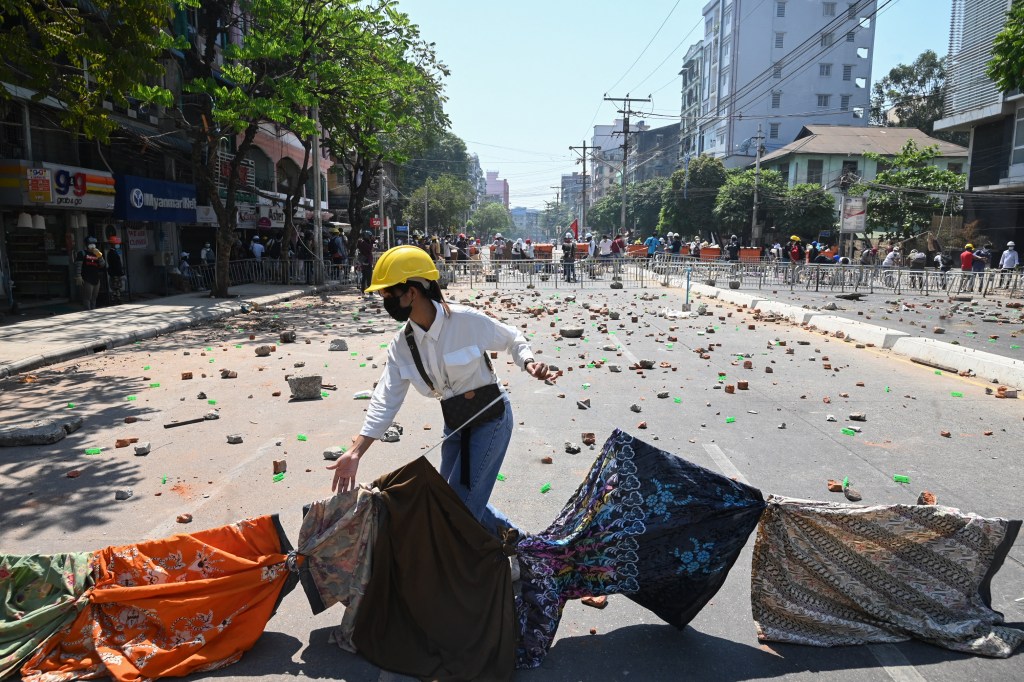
(442, 152)
(912, 95)
(490, 218)
(82, 54)
(688, 201)
(643, 207)
(734, 204)
(903, 198)
(447, 199)
(1006, 67)
(805, 209)
(555, 218)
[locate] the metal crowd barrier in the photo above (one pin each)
(548, 274)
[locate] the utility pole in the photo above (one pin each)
(318, 221)
(755, 228)
(558, 205)
(625, 111)
(426, 191)
(583, 158)
(384, 230)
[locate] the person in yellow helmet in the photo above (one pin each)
(443, 352)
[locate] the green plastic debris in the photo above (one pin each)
(501, 477)
(544, 488)
(211, 360)
(93, 451)
(939, 372)
(211, 402)
(846, 482)
(888, 390)
(325, 394)
(208, 348)
(130, 398)
(383, 345)
(146, 368)
(1014, 347)
(278, 477)
(848, 432)
(71, 406)
(730, 420)
(303, 437)
(155, 385)
(353, 354)
(163, 480)
(901, 479)
(957, 394)
(238, 345)
(586, 386)
(678, 400)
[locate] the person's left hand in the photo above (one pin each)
(538, 370)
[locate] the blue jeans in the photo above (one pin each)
(488, 445)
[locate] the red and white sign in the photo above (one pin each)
(137, 238)
(374, 222)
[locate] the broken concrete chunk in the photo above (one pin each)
(583, 404)
(571, 332)
(287, 336)
(339, 344)
(614, 369)
(635, 408)
(263, 351)
(234, 438)
(305, 387)
(572, 448)
(184, 518)
(852, 495)
(142, 448)
(41, 432)
(858, 417)
(123, 494)
(334, 452)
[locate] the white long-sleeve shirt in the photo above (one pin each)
(453, 352)
(1009, 260)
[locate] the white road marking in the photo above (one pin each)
(894, 663)
(622, 347)
(724, 463)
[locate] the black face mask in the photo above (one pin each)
(395, 309)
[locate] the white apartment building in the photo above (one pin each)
(606, 162)
(781, 64)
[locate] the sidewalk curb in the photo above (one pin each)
(172, 323)
(985, 365)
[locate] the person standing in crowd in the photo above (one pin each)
(652, 246)
(917, 261)
(1008, 262)
(256, 248)
(944, 263)
(967, 267)
(449, 346)
(89, 267)
(115, 270)
(339, 254)
(462, 251)
(982, 257)
(568, 258)
(364, 258)
(675, 246)
(732, 249)
(207, 255)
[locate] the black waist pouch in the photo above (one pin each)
(459, 409)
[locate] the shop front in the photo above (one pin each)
(47, 210)
(150, 211)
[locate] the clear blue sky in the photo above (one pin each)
(528, 77)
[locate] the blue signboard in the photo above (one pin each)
(154, 200)
(402, 228)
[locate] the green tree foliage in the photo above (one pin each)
(442, 153)
(490, 218)
(555, 218)
(806, 210)
(688, 201)
(903, 198)
(914, 93)
(1006, 67)
(448, 199)
(82, 54)
(643, 207)
(734, 205)
(357, 62)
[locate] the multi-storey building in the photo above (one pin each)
(496, 190)
(571, 192)
(607, 158)
(773, 65)
(653, 154)
(527, 221)
(689, 114)
(994, 119)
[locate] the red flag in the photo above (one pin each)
(575, 227)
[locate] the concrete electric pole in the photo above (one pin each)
(755, 227)
(582, 151)
(625, 111)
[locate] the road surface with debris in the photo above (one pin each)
(943, 432)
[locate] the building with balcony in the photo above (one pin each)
(994, 119)
(689, 113)
(653, 153)
(775, 64)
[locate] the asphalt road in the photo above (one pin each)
(192, 469)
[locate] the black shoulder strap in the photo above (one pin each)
(416, 355)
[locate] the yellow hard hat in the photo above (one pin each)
(794, 238)
(398, 264)
(969, 247)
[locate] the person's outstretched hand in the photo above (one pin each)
(346, 466)
(538, 370)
